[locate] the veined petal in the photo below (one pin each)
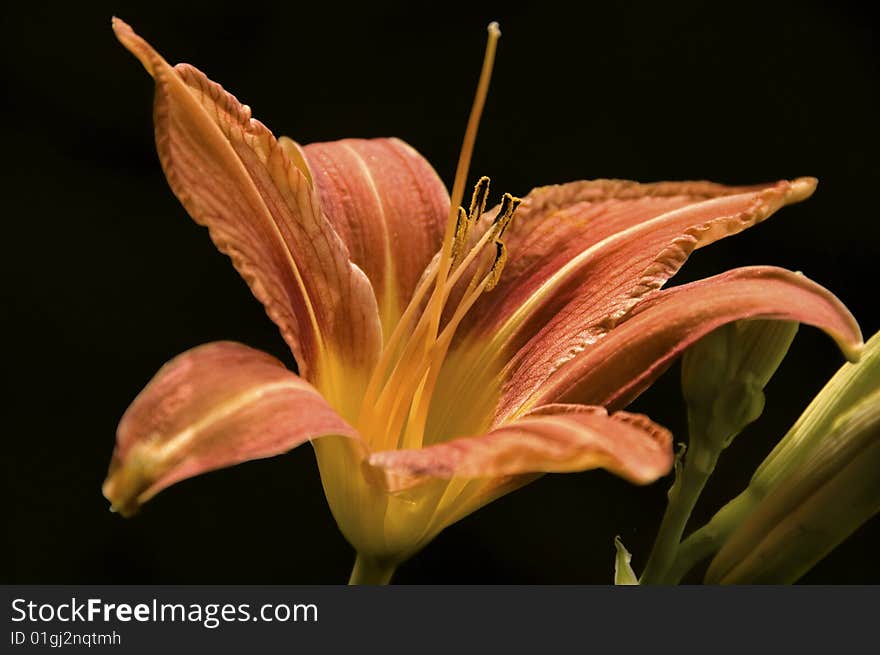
(262, 210)
(618, 366)
(580, 256)
(597, 247)
(213, 406)
(553, 438)
(388, 205)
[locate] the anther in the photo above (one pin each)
(459, 239)
(478, 201)
(509, 204)
(497, 266)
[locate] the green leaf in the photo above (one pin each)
(833, 491)
(849, 386)
(802, 449)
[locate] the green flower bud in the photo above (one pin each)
(723, 378)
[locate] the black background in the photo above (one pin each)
(105, 277)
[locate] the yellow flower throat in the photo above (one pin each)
(394, 410)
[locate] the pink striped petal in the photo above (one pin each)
(213, 406)
(615, 367)
(595, 248)
(553, 438)
(606, 243)
(261, 209)
(580, 256)
(388, 205)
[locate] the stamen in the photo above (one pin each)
(392, 345)
(413, 435)
(459, 241)
(478, 200)
(395, 407)
(509, 204)
(497, 265)
(502, 220)
(420, 361)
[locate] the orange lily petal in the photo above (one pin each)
(213, 406)
(553, 438)
(596, 248)
(261, 209)
(618, 366)
(586, 251)
(390, 208)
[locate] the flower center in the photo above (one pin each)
(394, 410)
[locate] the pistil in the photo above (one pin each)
(467, 147)
(395, 406)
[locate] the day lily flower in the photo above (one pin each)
(446, 356)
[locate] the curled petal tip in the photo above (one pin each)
(801, 189)
(136, 45)
(214, 406)
(124, 487)
(849, 340)
(853, 351)
(120, 26)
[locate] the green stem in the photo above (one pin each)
(708, 540)
(683, 495)
(371, 571)
(697, 547)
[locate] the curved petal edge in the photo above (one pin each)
(213, 406)
(624, 362)
(550, 439)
